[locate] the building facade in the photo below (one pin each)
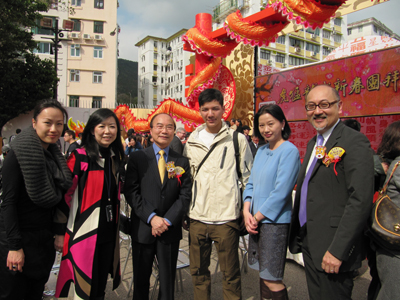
(161, 69)
(294, 49)
(87, 59)
(370, 26)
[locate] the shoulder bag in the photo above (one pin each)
(385, 220)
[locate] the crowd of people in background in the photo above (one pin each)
(204, 182)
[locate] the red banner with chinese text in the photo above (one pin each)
(368, 84)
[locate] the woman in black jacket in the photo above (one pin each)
(35, 178)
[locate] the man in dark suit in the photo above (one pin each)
(159, 198)
(333, 199)
(254, 144)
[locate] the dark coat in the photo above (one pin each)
(337, 205)
(145, 194)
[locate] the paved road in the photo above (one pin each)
(294, 279)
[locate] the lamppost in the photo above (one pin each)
(68, 25)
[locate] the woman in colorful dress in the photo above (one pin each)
(35, 178)
(268, 200)
(91, 240)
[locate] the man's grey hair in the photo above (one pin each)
(180, 129)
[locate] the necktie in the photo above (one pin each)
(304, 187)
(161, 165)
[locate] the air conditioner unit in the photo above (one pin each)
(297, 49)
(154, 83)
(98, 37)
(86, 36)
(284, 65)
(75, 35)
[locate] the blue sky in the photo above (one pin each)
(163, 18)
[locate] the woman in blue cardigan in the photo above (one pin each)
(268, 200)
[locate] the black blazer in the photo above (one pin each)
(337, 205)
(145, 194)
(253, 148)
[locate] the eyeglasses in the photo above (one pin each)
(167, 127)
(321, 105)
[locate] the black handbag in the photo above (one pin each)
(385, 220)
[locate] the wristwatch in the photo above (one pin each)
(255, 218)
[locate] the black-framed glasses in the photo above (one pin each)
(321, 105)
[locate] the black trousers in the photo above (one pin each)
(324, 286)
(143, 257)
(102, 266)
(39, 253)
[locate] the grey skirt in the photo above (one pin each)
(267, 250)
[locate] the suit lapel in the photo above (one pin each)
(331, 142)
(153, 166)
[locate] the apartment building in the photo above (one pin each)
(92, 54)
(161, 69)
(294, 49)
(370, 26)
(87, 58)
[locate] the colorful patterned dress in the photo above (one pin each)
(84, 201)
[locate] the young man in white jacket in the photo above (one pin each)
(216, 197)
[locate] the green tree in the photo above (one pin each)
(25, 78)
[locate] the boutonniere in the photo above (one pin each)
(174, 171)
(334, 156)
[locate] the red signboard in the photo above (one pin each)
(368, 84)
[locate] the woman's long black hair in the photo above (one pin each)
(89, 142)
(390, 145)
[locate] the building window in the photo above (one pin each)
(99, 4)
(143, 69)
(162, 80)
(98, 52)
(155, 55)
(96, 102)
(337, 22)
(143, 58)
(74, 75)
(155, 44)
(77, 25)
(374, 28)
(154, 79)
(296, 43)
(312, 47)
(98, 27)
(155, 67)
(326, 50)
(360, 28)
(76, 2)
(337, 38)
(76, 50)
(43, 48)
(73, 101)
(281, 40)
(349, 31)
(326, 34)
(296, 61)
(97, 77)
(265, 54)
(181, 88)
(280, 58)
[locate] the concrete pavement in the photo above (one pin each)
(294, 279)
